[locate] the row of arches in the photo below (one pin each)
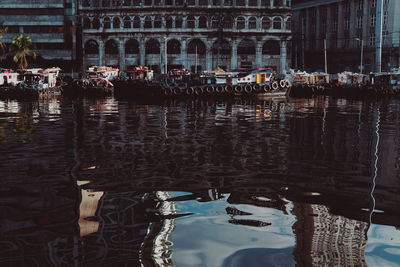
(191, 22)
(152, 46)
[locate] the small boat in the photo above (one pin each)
(32, 83)
(136, 82)
(98, 81)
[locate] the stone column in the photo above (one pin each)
(340, 32)
(163, 59)
(271, 4)
(234, 54)
(184, 54)
(318, 28)
(142, 51)
(121, 55)
(209, 63)
(101, 52)
(283, 56)
(259, 46)
(141, 23)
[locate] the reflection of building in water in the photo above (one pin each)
(126, 227)
(325, 239)
(87, 209)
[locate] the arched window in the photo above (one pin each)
(96, 3)
(252, 23)
(222, 47)
(228, 2)
(107, 23)
(148, 2)
(277, 2)
(91, 48)
(117, 2)
(288, 23)
(127, 22)
(190, 22)
(86, 3)
(173, 47)
(215, 22)
(86, 23)
(147, 22)
(240, 2)
(203, 22)
(168, 22)
(266, 23)
(136, 2)
(178, 22)
(253, 3)
(203, 2)
(127, 2)
(227, 22)
(157, 22)
(132, 47)
(152, 47)
(178, 2)
(136, 22)
(157, 2)
(271, 47)
(96, 23)
(277, 24)
(246, 47)
(240, 23)
(116, 23)
(105, 3)
(191, 2)
(168, 2)
(111, 47)
(216, 2)
(196, 44)
(265, 3)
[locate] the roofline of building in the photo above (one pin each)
(314, 3)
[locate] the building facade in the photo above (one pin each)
(192, 34)
(345, 25)
(50, 24)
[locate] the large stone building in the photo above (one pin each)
(50, 25)
(343, 24)
(193, 34)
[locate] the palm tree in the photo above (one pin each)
(22, 45)
(3, 30)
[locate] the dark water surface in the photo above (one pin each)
(305, 182)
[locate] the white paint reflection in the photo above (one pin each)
(87, 209)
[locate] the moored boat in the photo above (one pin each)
(31, 83)
(97, 81)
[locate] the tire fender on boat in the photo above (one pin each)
(198, 91)
(190, 91)
(256, 87)
(210, 89)
(177, 91)
(229, 89)
(275, 85)
(238, 89)
(219, 89)
(267, 88)
(248, 88)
